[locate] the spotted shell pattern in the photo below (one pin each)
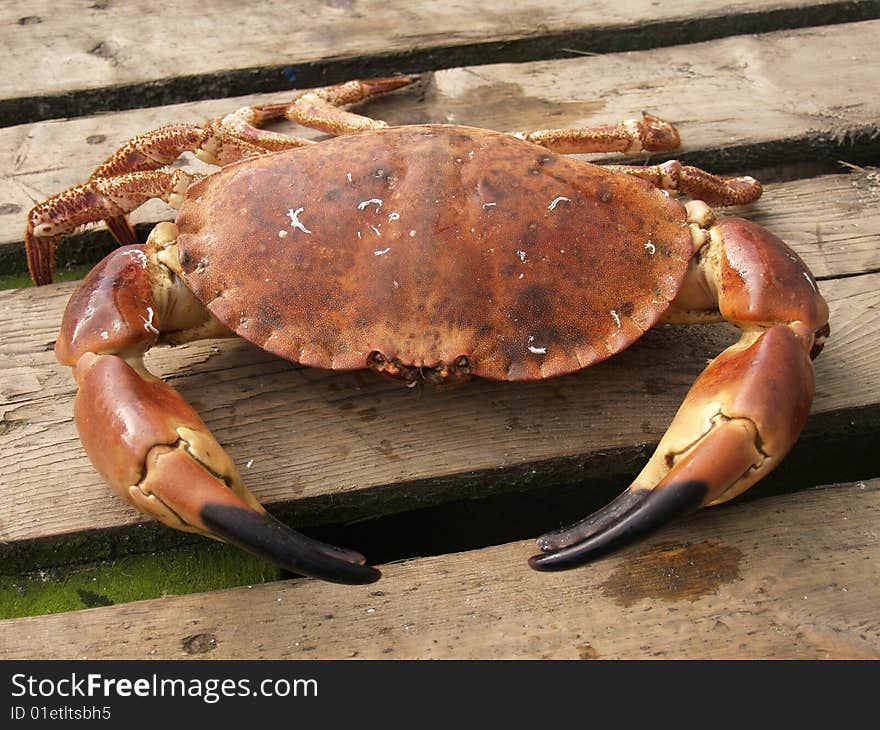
(432, 243)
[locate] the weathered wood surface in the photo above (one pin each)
(761, 109)
(791, 576)
(355, 434)
(777, 578)
(63, 57)
(312, 434)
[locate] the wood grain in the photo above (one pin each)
(323, 439)
(762, 105)
(780, 577)
(133, 54)
(315, 435)
(776, 578)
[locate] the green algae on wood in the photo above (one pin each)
(131, 578)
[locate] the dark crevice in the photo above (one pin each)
(565, 44)
(503, 518)
(851, 275)
(859, 145)
(493, 507)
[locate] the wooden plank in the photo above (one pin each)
(340, 441)
(775, 578)
(838, 238)
(132, 54)
(358, 438)
(760, 110)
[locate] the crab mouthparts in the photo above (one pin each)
(410, 375)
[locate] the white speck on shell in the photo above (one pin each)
(412, 233)
(650, 248)
(148, 321)
(616, 317)
(489, 205)
(376, 231)
(372, 201)
(282, 233)
(393, 217)
(382, 252)
(537, 350)
(295, 221)
(557, 201)
(522, 255)
(348, 175)
(105, 335)
(139, 256)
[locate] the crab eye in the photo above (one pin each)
(462, 363)
(376, 358)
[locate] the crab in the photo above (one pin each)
(429, 253)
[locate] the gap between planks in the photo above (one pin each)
(354, 432)
(775, 579)
(137, 55)
(389, 437)
(760, 110)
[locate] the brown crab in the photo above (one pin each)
(434, 253)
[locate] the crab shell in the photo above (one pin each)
(436, 253)
(433, 249)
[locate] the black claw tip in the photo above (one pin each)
(263, 535)
(596, 522)
(661, 505)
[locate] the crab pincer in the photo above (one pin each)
(147, 442)
(746, 410)
(432, 253)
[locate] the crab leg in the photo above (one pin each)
(320, 108)
(743, 413)
(237, 135)
(101, 198)
(648, 134)
(219, 142)
(143, 438)
(699, 184)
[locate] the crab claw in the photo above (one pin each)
(156, 452)
(740, 418)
